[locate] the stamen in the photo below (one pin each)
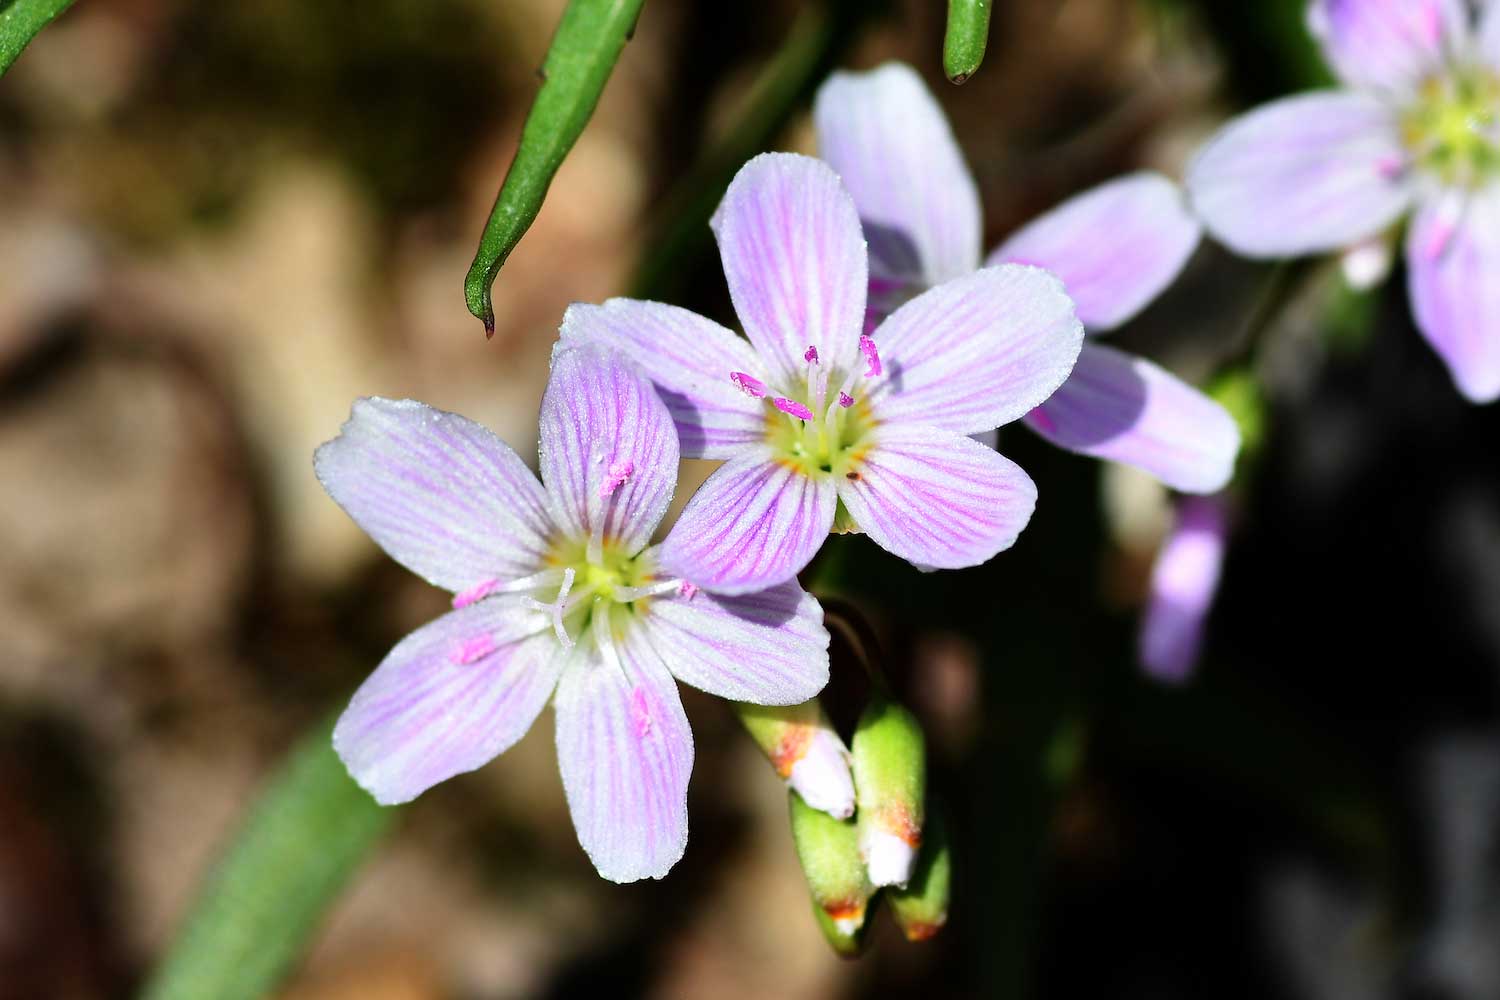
(1391, 167)
(472, 649)
(478, 592)
(1450, 215)
(688, 590)
(628, 594)
(792, 407)
(872, 356)
(846, 400)
(748, 384)
(618, 473)
(640, 712)
(811, 354)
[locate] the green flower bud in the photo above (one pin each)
(803, 747)
(828, 849)
(890, 781)
(921, 908)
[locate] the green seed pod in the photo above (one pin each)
(890, 781)
(828, 849)
(921, 908)
(804, 748)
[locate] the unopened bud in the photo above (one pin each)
(803, 747)
(921, 909)
(828, 849)
(890, 779)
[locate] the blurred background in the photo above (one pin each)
(223, 222)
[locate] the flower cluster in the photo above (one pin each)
(881, 350)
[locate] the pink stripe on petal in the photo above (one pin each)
(938, 499)
(755, 523)
(443, 495)
(768, 647)
(1115, 247)
(977, 352)
(447, 699)
(625, 752)
(1455, 295)
(599, 409)
(794, 258)
(1123, 408)
(686, 357)
(1301, 175)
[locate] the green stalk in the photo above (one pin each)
(20, 21)
(588, 41)
(310, 830)
(968, 34)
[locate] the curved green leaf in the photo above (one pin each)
(20, 20)
(583, 53)
(968, 34)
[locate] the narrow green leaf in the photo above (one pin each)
(307, 834)
(968, 34)
(20, 20)
(583, 53)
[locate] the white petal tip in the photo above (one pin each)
(888, 859)
(822, 776)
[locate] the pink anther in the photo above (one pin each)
(640, 712)
(811, 354)
(687, 590)
(478, 592)
(748, 384)
(845, 400)
(872, 356)
(616, 476)
(792, 407)
(476, 648)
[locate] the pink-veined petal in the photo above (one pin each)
(625, 752)
(443, 495)
(448, 698)
(1452, 269)
(976, 352)
(1388, 45)
(1115, 247)
(1183, 584)
(1306, 174)
(768, 647)
(794, 258)
(608, 446)
(690, 359)
(754, 523)
(1489, 34)
(938, 499)
(1124, 408)
(888, 139)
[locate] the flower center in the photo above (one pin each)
(818, 428)
(1452, 129)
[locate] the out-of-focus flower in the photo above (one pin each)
(556, 590)
(821, 428)
(1115, 248)
(1183, 584)
(801, 743)
(890, 779)
(1415, 129)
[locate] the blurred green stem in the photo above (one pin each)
(588, 41)
(818, 37)
(309, 831)
(20, 21)
(968, 34)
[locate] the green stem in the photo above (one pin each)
(588, 41)
(307, 834)
(20, 21)
(968, 34)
